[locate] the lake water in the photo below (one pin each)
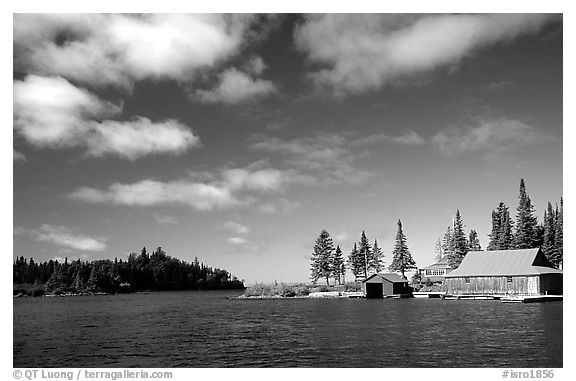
(204, 329)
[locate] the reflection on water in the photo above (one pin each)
(204, 329)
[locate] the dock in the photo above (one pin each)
(431, 294)
(532, 299)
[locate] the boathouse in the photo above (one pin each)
(499, 272)
(381, 285)
(435, 273)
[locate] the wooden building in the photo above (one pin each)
(381, 285)
(516, 272)
(435, 273)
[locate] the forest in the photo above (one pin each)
(144, 272)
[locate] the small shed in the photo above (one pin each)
(436, 272)
(519, 272)
(381, 285)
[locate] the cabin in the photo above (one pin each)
(380, 285)
(500, 272)
(436, 272)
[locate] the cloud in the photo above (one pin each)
(53, 113)
(65, 237)
(410, 138)
(116, 49)
(140, 137)
(279, 206)
(359, 53)
(235, 227)
(488, 136)
(237, 241)
(19, 157)
(231, 189)
(236, 87)
(322, 157)
(163, 219)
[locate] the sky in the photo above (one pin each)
(238, 138)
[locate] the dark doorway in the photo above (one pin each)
(374, 291)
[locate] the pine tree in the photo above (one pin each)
(473, 241)
(506, 236)
(495, 233)
(365, 253)
(439, 251)
(401, 258)
(558, 259)
(356, 262)
(448, 241)
(376, 260)
(337, 265)
(321, 257)
(526, 223)
(460, 243)
(548, 242)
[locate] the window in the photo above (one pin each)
(435, 272)
(467, 280)
(509, 279)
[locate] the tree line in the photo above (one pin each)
(364, 259)
(506, 234)
(157, 271)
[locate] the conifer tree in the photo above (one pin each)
(376, 259)
(495, 233)
(558, 260)
(460, 243)
(506, 236)
(322, 257)
(448, 241)
(337, 265)
(365, 253)
(526, 223)
(439, 251)
(473, 241)
(356, 262)
(401, 258)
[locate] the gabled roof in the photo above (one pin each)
(390, 277)
(504, 263)
(441, 264)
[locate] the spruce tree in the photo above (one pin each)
(473, 241)
(548, 242)
(321, 257)
(401, 258)
(376, 260)
(337, 264)
(558, 260)
(526, 223)
(448, 241)
(356, 262)
(365, 253)
(506, 236)
(460, 242)
(495, 233)
(439, 251)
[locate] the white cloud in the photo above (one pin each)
(237, 241)
(18, 156)
(279, 206)
(116, 49)
(360, 53)
(139, 137)
(53, 113)
(410, 138)
(65, 237)
(229, 190)
(234, 87)
(235, 227)
(488, 136)
(164, 219)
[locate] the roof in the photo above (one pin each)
(504, 263)
(390, 277)
(441, 264)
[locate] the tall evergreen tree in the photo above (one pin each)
(448, 241)
(460, 242)
(365, 251)
(337, 265)
(439, 251)
(321, 257)
(495, 233)
(401, 258)
(506, 236)
(376, 259)
(473, 241)
(558, 259)
(356, 262)
(526, 223)
(548, 243)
